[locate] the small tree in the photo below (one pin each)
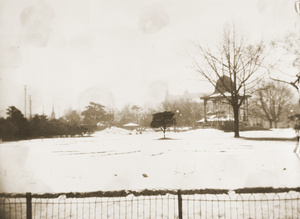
(163, 120)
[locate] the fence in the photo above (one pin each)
(206, 203)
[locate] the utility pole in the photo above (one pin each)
(30, 112)
(25, 101)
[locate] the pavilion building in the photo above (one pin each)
(218, 110)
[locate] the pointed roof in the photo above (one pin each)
(224, 84)
(131, 125)
(223, 88)
(52, 113)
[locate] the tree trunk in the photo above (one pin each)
(271, 124)
(236, 120)
(164, 133)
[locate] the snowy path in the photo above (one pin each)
(115, 160)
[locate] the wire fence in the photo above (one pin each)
(206, 203)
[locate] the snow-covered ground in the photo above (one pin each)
(113, 159)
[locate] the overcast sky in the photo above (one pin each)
(69, 52)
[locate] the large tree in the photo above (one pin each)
(236, 59)
(39, 126)
(272, 101)
(17, 124)
(93, 114)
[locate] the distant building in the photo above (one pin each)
(193, 97)
(52, 113)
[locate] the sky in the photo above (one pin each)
(116, 52)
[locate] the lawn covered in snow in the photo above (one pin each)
(113, 159)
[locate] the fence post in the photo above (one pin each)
(28, 206)
(179, 204)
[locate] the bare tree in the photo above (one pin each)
(292, 46)
(146, 117)
(73, 117)
(272, 101)
(136, 111)
(289, 48)
(125, 115)
(187, 112)
(110, 116)
(233, 59)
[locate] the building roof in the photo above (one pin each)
(223, 88)
(218, 96)
(224, 84)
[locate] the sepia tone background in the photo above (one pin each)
(68, 53)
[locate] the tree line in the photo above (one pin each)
(17, 127)
(95, 117)
(271, 101)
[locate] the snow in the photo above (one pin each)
(117, 159)
(273, 133)
(114, 130)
